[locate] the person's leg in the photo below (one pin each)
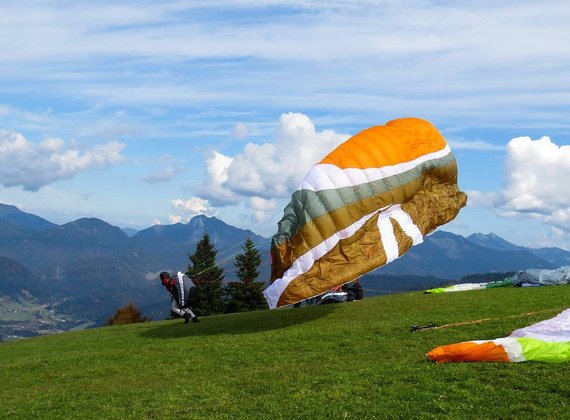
(192, 315)
(189, 311)
(185, 313)
(176, 309)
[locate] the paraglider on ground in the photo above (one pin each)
(546, 341)
(533, 277)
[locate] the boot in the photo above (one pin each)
(186, 317)
(195, 319)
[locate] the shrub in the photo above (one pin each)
(128, 314)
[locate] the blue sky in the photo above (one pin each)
(141, 112)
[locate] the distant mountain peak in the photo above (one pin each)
(197, 221)
(486, 237)
(203, 220)
(90, 227)
(88, 221)
(25, 222)
(444, 233)
(6, 209)
(201, 217)
(492, 241)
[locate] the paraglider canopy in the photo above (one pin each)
(364, 205)
(546, 341)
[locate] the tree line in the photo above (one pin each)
(213, 297)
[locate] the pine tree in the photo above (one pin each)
(247, 294)
(207, 277)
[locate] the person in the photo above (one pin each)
(354, 291)
(334, 295)
(181, 290)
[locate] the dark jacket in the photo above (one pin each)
(181, 288)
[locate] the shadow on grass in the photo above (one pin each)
(240, 323)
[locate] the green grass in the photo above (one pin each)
(354, 360)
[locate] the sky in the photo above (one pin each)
(148, 112)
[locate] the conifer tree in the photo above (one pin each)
(247, 294)
(207, 277)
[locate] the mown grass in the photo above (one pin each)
(354, 360)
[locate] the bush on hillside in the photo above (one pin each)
(128, 314)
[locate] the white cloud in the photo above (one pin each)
(52, 145)
(557, 233)
(32, 166)
(262, 173)
(164, 174)
(174, 218)
(536, 174)
(554, 237)
(72, 160)
(216, 175)
(22, 115)
(274, 170)
(536, 177)
(191, 208)
(480, 58)
(263, 209)
(474, 145)
(560, 217)
(411, 27)
(483, 199)
(240, 131)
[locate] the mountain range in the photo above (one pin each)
(89, 268)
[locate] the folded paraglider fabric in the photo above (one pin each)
(472, 286)
(458, 288)
(542, 277)
(531, 277)
(547, 341)
(364, 205)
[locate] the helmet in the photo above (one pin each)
(164, 275)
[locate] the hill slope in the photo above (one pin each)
(15, 278)
(355, 360)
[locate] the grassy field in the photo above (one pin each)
(354, 360)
